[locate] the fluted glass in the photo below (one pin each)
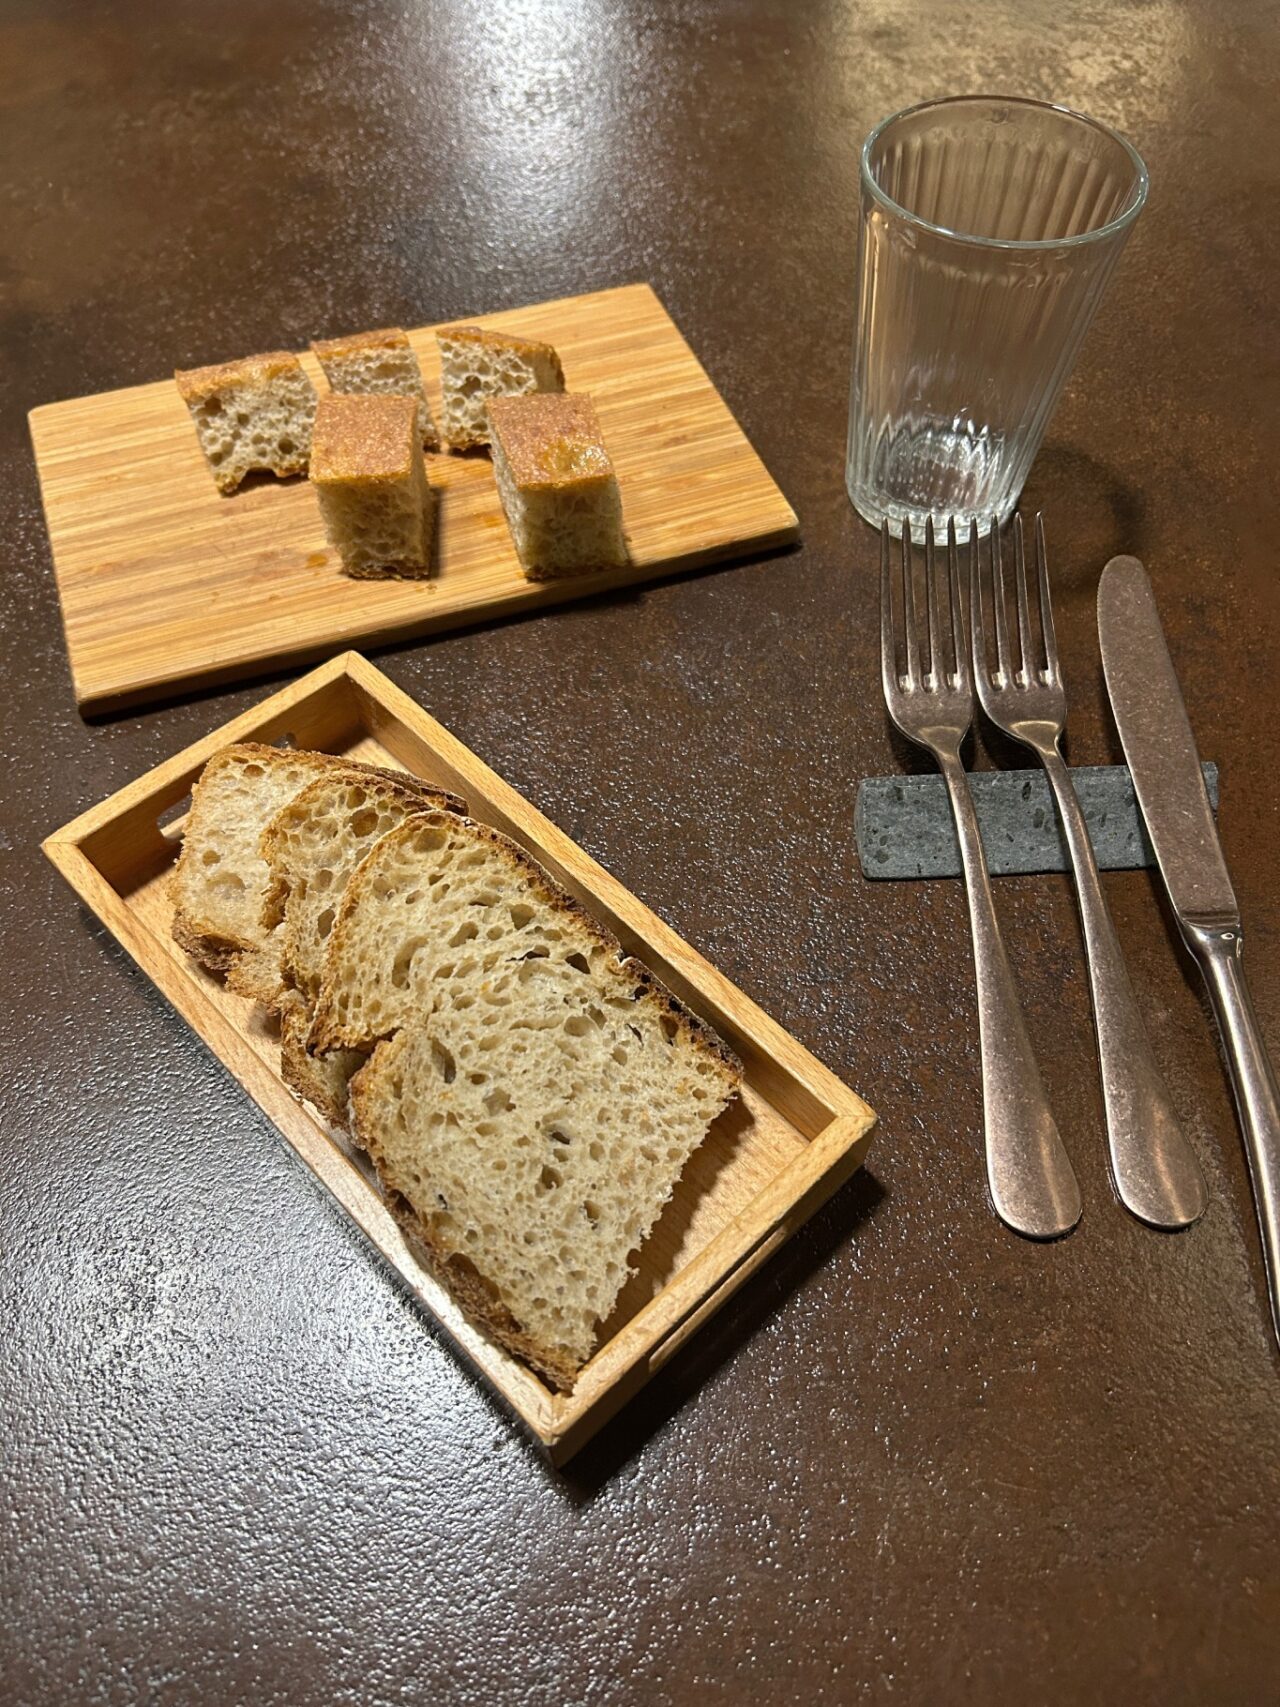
(989, 229)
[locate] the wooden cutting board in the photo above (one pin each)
(166, 584)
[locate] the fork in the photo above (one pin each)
(1031, 1180)
(1155, 1169)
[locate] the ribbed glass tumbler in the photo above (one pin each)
(989, 230)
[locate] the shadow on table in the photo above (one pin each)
(1096, 490)
(588, 1474)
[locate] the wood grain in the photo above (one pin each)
(163, 582)
(795, 1135)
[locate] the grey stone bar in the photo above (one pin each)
(903, 825)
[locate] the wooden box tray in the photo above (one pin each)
(795, 1134)
(163, 582)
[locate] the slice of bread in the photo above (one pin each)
(558, 488)
(476, 366)
(321, 1080)
(382, 363)
(371, 482)
(540, 1093)
(220, 883)
(314, 845)
(251, 414)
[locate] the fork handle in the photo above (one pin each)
(1156, 1171)
(1032, 1183)
(1218, 951)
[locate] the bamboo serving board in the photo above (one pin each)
(163, 582)
(795, 1134)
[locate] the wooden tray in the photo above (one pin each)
(795, 1135)
(164, 582)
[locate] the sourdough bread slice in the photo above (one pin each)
(476, 365)
(540, 1093)
(370, 481)
(557, 484)
(382, 363)
(313, 846)
(220, 882)
(256, 413)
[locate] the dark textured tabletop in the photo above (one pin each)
(916, 1459)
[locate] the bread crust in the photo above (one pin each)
(255, 974)
(532, 349)
(363, 438)
(552, 441)
(321, 1083)
(198, 383)
(388, 338)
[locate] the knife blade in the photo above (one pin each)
(1161, 752)
(1159, 746)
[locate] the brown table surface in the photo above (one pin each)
(917, 1459)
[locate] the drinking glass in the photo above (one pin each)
(989, 228)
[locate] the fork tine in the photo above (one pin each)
(1046, 603)
(959, 648)
(888, 645)
(998, 606)
(960, 578)
(1026, 645)
(977, 621)
(909, 612)
(931, 601)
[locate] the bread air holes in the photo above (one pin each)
(498, 1102)
(464, 933)
(550, 1179)
(443, 1062)
(324, 924)
(577, 1025)
(403, 962)
(210, 856)
(520, 915)
(592, 1212)
(364, 822)
(579, 962)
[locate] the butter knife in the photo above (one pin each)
(1161, 751)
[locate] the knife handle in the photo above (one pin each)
(1219, 952)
